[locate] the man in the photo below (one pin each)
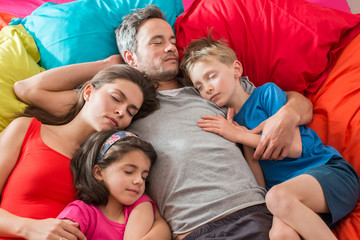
(201, 182)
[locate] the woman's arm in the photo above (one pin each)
(278, 131)
(53, 90)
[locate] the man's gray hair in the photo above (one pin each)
(126, 32)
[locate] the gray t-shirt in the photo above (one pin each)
(198, 176)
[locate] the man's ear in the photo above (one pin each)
(89, 89)
(238, 69)
(97, 173)
(130, 58)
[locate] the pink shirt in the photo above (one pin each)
(93, 222)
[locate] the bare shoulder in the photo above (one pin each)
(18, 126)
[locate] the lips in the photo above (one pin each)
(213, 98)
(133, 191)
(113, 122)
(171, 58)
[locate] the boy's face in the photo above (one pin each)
(216, 81)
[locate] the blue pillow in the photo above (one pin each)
(83, 31)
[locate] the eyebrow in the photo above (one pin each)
(124, 96)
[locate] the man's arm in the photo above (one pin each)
(278, 130)
(53, 90)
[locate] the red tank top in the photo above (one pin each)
(41, 184)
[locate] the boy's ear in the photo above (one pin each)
(88, 91)
(97, 173)
(130, 58)
(238, 69)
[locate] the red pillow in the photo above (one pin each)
(291, 43)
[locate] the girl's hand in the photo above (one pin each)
(53, 229)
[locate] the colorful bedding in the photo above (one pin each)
(277, 41)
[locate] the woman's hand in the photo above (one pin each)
(52, 229)
(113, 60)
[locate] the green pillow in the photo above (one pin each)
(18, 60)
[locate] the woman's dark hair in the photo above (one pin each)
(108, 75)
(89, 189)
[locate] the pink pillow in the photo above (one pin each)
(337, 4)
(291, 43)
(23, 8)
(187, 4)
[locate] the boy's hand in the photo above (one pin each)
(219, 125)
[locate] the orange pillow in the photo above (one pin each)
(5, 18)
(337, 120)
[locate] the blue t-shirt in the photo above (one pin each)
(264, 102)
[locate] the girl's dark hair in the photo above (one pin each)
(108, 75)
(89, 189)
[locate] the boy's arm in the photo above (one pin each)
(53, 90)
(278, 131)
(254, 166)
(239, 134)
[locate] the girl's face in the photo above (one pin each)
(216, 81)
(125, 178)
(113, 105)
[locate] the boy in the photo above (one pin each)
(314, 178)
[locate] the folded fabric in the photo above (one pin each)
(83, 30)
(277, 41)
(18, 60)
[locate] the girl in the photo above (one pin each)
(109, 171)
(35, 177)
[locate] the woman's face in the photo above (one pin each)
(113, 105)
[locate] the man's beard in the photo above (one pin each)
(163, 75)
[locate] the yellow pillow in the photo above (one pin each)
(18, 60)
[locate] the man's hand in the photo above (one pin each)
(277, 134)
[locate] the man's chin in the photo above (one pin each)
(167, 75)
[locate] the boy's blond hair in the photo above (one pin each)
(205, 49)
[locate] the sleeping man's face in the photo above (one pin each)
(156, 54)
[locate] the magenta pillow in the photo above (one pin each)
(337, 4)
(291, 43)
(23, 8)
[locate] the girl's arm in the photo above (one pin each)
(254, 165)
(53, 90)
(142, 224)
(238, 134)
(160, 229)
(11, 140)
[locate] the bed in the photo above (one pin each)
(311, 47)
